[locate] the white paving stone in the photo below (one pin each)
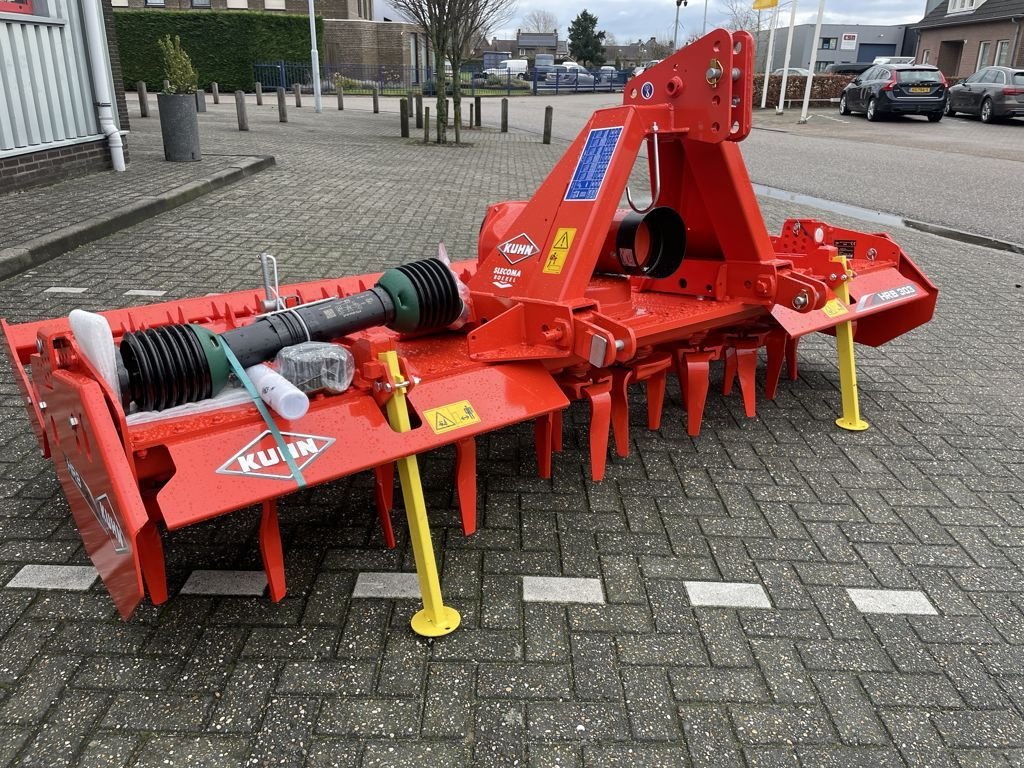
(891, 601)
(726, 594)
(77, 578)
(561, 589)
(64, 289)
(143, 292)
(387, 585)
(231, 583)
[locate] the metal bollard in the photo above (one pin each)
(216, 92)
(476, 101)
(143, 98)
(200, 100)
(471, 122)
(403, 108)
(341, 98)
(243, 118)
(282, 106)
(297, 87)
(376, 100)
(504, 115)
(419, 110)
(549, 113)
(167, 86)
(426, 125)
(259, 94)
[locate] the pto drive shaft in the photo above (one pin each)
(184, 363)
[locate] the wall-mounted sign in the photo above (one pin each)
(849, 42)
(15, 6)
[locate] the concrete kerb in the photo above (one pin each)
(41, 249)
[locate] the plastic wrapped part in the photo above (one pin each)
(316, 365)
(96, 342)
(276, 391)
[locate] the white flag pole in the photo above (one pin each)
(815, 41)
(771, 53)
(785, 63)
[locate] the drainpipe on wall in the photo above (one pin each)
(92, 11)
(1015, 55)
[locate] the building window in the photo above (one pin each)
(155, 3)
(119, 3)
(238, 5)
(925, 55)
(829, 43)
(956, 6)
(819, 66)
(274, 5)
(1003, 53)
(983, 54)
(200, 3)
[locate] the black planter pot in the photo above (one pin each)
(179, 126)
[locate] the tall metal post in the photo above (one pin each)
(315, 56)
(768, 59)
(704, 29)
(815, 41)
(675, 29)
(785, 62)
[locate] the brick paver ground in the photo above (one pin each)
(929, 500)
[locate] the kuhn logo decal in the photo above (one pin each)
(263, 458)
(518, 248)
(102, 510)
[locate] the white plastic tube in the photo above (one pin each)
(287, 400)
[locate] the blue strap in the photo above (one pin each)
(243, 377)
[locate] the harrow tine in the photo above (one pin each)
(384, 492)
(465, 482)
(151, 556)
(746, 357)
(698, 374)
(556, 431)
(270, 549)
(599, 396)
(621, 378)
(543, 428)
(791, 363)
(731, 365)
(656, 396)
(776, 349)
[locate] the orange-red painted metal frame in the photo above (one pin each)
(543, 330)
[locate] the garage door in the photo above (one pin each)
(868, 51)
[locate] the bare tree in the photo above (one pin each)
(740, 15)
(470, 20)
(540, 21)
(435, 16)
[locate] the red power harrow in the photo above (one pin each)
(571, 298)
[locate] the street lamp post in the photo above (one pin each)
(675, 29)
(704, 29)
(785, 61)
(317, 102)
(816, 41)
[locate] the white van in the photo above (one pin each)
(517, 68)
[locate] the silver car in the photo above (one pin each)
(990, 93)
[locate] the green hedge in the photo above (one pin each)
(223, 45)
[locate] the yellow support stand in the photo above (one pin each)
(436, 619)
(850, 419)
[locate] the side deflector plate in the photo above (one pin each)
(241, 464)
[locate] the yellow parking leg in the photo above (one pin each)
(436, 618)
(850, 419)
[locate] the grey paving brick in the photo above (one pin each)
(787, 679)
(200, 751)
(709, 736)
(524, 681)
(933, 691)
(718, 685)
(333, 753)
(225, 583)
(996, 729)
(723, 638)
(891, 601)
(286, 733)
(109, 750)
(370, 718)
(853, 715)
(558, 589)
(38, 689)
(777, 724)
(594, 668)
(843, 757)
(915, 737)
(570, 721)
(649, 705)
(634, 755)
(157, 711)
(387, 585)
(400, 755)
(449, 705)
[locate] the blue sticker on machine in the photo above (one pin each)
(593, 165)
(647, 90)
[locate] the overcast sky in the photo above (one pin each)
(629, 20)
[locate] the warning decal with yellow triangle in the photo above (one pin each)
(446, 418)
(559, 251)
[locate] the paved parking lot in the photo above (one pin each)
(775, 592)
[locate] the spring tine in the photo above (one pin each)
(465, 482)
(776, 349)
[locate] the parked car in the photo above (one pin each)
(645, 66)
(569, 74)
(515, 68)
(904, 89)
(853, 68)
(894, 60)
(990, 93)
(793, 71)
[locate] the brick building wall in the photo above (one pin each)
(369, 43)
(53, 164)
(335, 9)
(971, 36)
(115, 65)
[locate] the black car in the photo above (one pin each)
(854, 68)
(896, 89)
(990, 93)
